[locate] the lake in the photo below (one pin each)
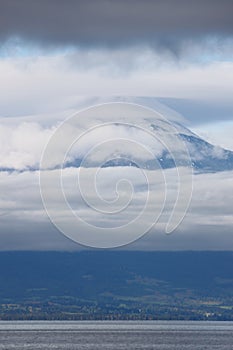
(116, 335)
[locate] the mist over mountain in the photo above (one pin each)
(203, 156)
(137, 149)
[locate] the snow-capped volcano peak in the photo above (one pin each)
(123, 131)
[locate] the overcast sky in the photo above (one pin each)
(56, 54)
(116, 23)
(51, 52)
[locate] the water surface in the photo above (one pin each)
(110, 335)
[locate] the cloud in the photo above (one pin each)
(21, 146)
(23, 139)
(41, 84)
(55, 53)
(164, 23)
(207, 224)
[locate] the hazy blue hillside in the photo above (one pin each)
(101, 284)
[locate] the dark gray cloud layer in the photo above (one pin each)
(115, 22)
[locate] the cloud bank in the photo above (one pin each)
(207, 225)
(52, 83)
(52, 53)
(24, 223)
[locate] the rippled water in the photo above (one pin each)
(116, 335)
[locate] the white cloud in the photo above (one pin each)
(208, 221)
(45, 83)
(21, 145)
(23, 139)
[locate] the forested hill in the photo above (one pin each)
(116, 284)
